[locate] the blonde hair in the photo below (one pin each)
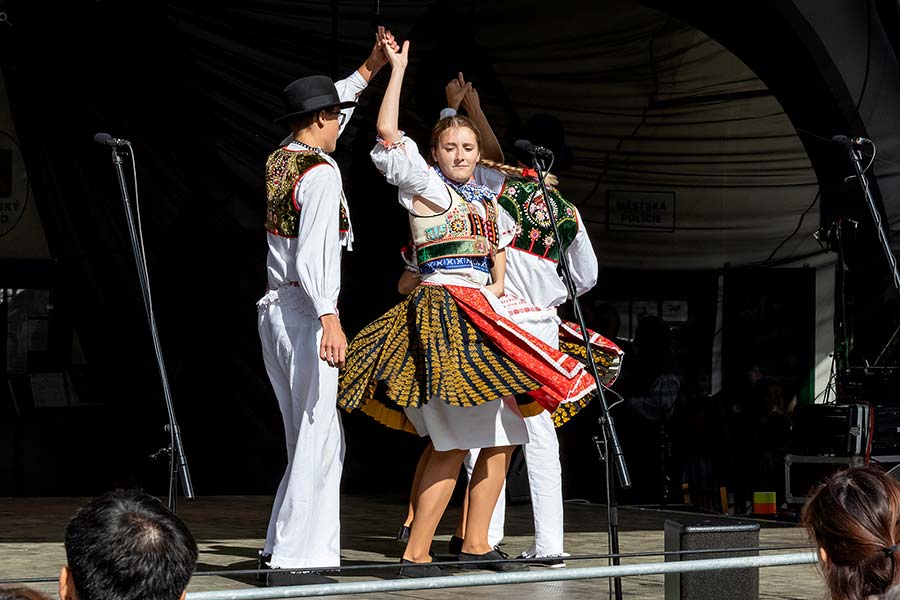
(460, 121)
(448, 123)
(511, 171)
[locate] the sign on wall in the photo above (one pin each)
(641, 211)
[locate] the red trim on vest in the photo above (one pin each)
(281, 235)
(543, 256)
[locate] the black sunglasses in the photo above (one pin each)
(340, 116)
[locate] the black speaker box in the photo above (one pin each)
(831, 429)
(887, 431)
(712, 534)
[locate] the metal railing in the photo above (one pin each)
(457, 581)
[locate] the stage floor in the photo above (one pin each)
(230, 530)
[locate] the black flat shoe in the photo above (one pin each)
(455, 545)
(410, 570)
(403, 534)
(263, 563)
(285, 577)
(495, 560)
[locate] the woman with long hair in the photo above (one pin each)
(446, 362)
(854, 521)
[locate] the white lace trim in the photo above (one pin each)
(290, 297)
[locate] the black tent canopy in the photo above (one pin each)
(728, 108)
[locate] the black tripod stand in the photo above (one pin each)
(175, 450)
(854, 147)
(608, 446)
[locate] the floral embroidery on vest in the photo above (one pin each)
(284, 170)
(459, 238)
(524, 200)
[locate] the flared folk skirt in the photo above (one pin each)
(443, 363)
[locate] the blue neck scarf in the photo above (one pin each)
(470, 191)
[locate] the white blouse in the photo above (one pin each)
(534, 278)
(403, 166)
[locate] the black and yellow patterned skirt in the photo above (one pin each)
(425, 349)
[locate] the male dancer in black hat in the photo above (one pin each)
(302, 339)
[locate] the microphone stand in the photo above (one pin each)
(856, 158)
(609, 446)
(177, 460)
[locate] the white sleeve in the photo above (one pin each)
(403, 166)
(506, 227)
(319, 247)
(350, 89)
(491, 178)
(582, 259)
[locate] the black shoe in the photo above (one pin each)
(411, 570)
(403, 534)
(283, 577)
(495, 560)
(263, 563)
(455, 545)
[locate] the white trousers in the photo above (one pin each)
(305, 528)
(544, 472)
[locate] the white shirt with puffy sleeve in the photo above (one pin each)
(312, 260)
(403, 166)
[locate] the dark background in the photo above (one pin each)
(195, 86)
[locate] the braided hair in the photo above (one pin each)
(523, 173)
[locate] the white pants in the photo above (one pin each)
(305, 528)
(544, 471)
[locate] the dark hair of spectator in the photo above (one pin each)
(126, 545)
(855, 517)
(20, 592)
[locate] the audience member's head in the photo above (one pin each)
(16, 592)
(126, 545)
(854, 520)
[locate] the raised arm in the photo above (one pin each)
(388, 115)
(353, 86)
(490, 145)
(377, 58)
(462, 93)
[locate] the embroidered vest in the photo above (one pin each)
(284, 170)
(458, 238)
(524, 200)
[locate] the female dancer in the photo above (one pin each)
(447, 361)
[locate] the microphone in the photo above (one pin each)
(846, 142)
(105, 138)
(530, 148)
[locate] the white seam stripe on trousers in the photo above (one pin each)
(304, 529)
(544, 471)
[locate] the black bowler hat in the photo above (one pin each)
(547, 131)
(309, 94)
